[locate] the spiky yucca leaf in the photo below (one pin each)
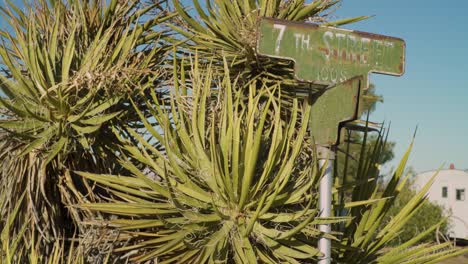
(365, 238)
(69, 65)
(227, 28)
(68, 71)
(229, 187)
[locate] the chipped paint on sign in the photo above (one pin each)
(328, 55)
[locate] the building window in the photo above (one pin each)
(444, 192)
(460, 194)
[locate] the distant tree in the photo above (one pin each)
(428, 215)
(370, 100)
(352, 142)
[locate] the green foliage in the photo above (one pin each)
(63, 79)
(349, 154)
(68, 71)
(370, 100)
(371, 230)
(232, 186)
(429, 215)
(113, 150)
(350, 150)
(228, 29)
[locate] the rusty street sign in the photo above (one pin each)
(333, 108)
(328, 55)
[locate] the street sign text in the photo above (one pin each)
(327, 55)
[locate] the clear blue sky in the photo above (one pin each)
(433, 93)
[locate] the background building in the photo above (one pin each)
(449, 190)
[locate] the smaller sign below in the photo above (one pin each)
(336, 106)
(328, 55)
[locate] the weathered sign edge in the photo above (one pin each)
(312, 25)
(355, 115)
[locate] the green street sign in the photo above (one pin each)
(336, 106)
(328, 55)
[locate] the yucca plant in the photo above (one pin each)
(216, 183)
(228, 28)
(227, 186)
(366, 238)
(68, 71)
(218, 170)
(225, 28)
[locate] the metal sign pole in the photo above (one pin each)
(326, 158)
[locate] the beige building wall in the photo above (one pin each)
(455, 183)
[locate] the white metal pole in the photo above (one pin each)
(325, 199)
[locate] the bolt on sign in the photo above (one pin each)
(328, 55)
(336, 58)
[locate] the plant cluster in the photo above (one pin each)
(137, 131)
